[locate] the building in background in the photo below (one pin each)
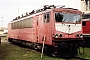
(85, 6)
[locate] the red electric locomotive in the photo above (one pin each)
(86, 28)
(59, 28)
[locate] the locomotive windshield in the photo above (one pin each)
(67, 17)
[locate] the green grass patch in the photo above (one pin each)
(86, 53)
(13, 52)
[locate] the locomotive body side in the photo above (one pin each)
(35, 33)
(61, 28)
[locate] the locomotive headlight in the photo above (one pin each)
(77, 35)
(56, 35)
(60, 35)
(81, 35)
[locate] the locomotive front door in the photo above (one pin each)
(47, 27)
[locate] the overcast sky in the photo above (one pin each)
(9, 9)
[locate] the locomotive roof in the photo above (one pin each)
(46, 8)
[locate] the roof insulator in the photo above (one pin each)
(32, 11)
(15, 19)
(22, 16)
(18, 17)
(26, 14)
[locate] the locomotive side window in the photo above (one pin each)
(46, 17)
(21, 24)
(30, 22)
(12, 25)
(15, 25)
(24, 23)
(84, 23)
(27, 23)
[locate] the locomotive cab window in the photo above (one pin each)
(67, 17)
(46, 17)
(58, 17)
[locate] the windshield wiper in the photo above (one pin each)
(64, 19)
(78, 21)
